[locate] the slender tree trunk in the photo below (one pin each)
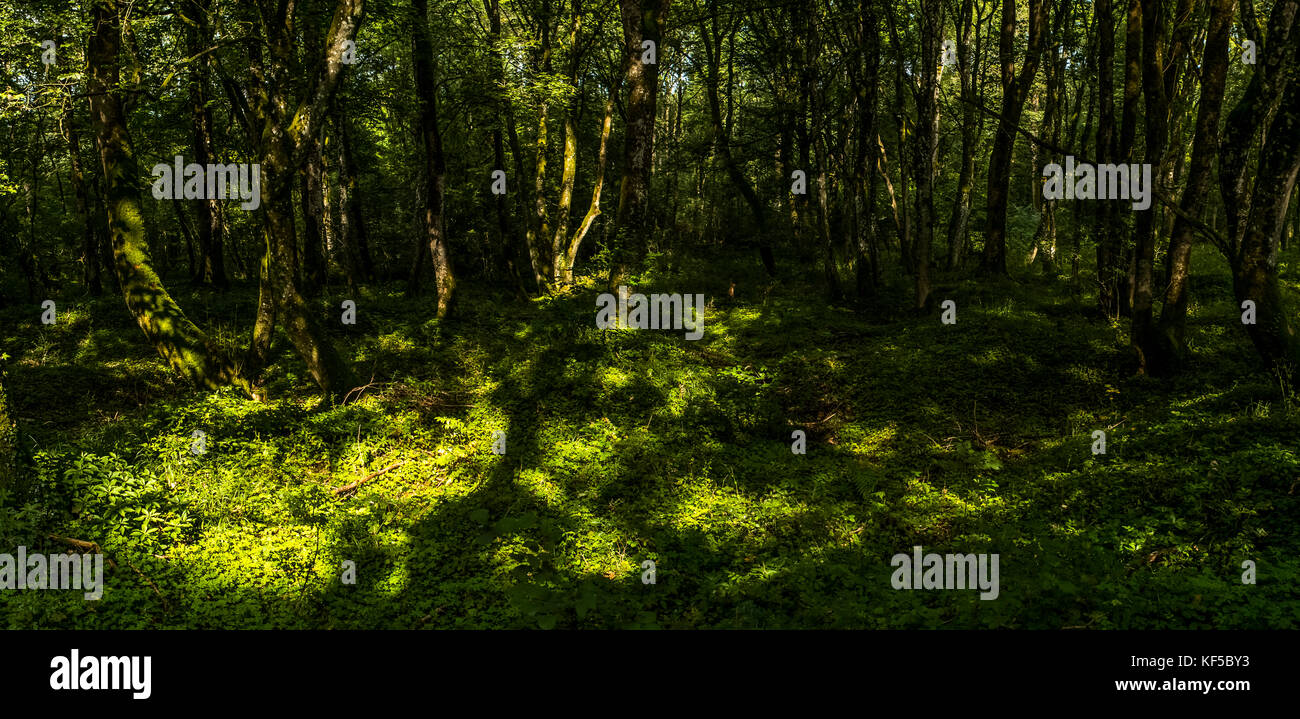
(866, 88)
(593, 210)
(90, 260)
(927, 144)
(312, 197)
(558, 260)
(968, 74)
(435, 163)
(905, 130)
(513, 248)
(211, 228)
(1106, 234)
(1173, 314)
(1015, 88)
(1255, 275)
(1044, 244)
(1125, 268)
(352, 222)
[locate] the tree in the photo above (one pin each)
(969, 71)
(1172, 326)
(435, 169)
(211, 234)
(288, 132)
(643, 21)
(182, 344)
(1015, 88)
(1256, 213)
(927, 143)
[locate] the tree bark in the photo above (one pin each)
(867, 90)
(569, 170)
(312, 197)
(712, 36)
(352, 222)
(968, 70)
(593, 209)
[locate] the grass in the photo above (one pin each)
(627, 446)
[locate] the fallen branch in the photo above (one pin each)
(85, 546)
(350, 487)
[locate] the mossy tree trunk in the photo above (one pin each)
(288, 131)
(1256, 214)
(182, 344)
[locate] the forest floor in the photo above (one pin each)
(624, 446)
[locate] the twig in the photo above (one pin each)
(359, 390)
(150, 583)
(349, 487)
(93, 547)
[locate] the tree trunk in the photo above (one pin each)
(642, 20)
(287, 130)
(1044, 244)
(557, 261)
(513, 249)
(352, 223)
(866, 88)
(176, 338)
(211, 228)
(435, 163)
(1015, 88)
(1173, 314)
(90, 259)
(1255, 274)
(593, 210)
(1124, 270)
(968, 74)
(713, 36)
(927, 143)
(312, 197)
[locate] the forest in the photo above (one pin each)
(679, 314)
